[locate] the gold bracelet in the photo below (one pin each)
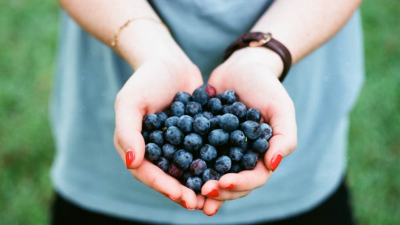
(117, 33)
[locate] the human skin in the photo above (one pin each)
(162, 69)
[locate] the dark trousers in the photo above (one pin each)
(335, 210)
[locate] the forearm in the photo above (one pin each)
(141, 40)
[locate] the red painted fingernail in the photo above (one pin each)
(229, 187)
(129, 157)
(215, 212)
(212, 194)
(275, 161)
(184, 205)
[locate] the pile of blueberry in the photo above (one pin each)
(204, 136)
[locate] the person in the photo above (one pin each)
(98, 105)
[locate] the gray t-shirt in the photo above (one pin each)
(88, 171)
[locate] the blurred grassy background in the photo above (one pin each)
(28, 39)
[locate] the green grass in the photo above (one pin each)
(27, 55)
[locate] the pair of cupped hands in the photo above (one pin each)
(152, 88)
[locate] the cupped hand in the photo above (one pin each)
(252, 74)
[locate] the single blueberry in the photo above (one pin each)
(210, 174)
(251, 129)
(253, 115)
(151, 122)
(198, 166)
(249, 161)
(218, 137)
(201, 125)
(145, 135)
(177, 109)
(171, 121)
(162, 163)
(174, 171)
(174, 135)
(193, 142)
(208, 153)
(194, 183)
(266, 131)
(223, 164)
(208, 115)
(214, 123)
(185, 123)
(236, 154)
(201, 96)
(238, 139)
(193, 108)
(214, 105)
(229, 97)
(182, 159)
(198, 115)
(226, 109)
(229, 122)
(239, 109)
(183, 97)
(260, 145)
(152, 152)
(210, 90)
(169, 150)
(162, 116)
(235, 168)
(157, 137)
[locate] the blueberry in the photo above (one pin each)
(218, 137)
(260, 145)
(236, 154)
(193, 142)
(214, 123)
(177, 109)
(162, 116)
(249, 161)
(151, 122)
(235, 168)
(185, 123)
(208, 115)
(210, 90)
(238, 139)
(162, 163)
(219, 96)
(201, 125)
(173, 135)
(201, 96)
(174, 171)
(169, 150)
(214, 105)
(229, 122)
(239, 109)
(194, 183)
(229, 97)
(152, 151)
(198, 166)
(226, 109)
(253, 115)
(193, 108)
(145, 135)
(223, 164)
(157, 137)
(171, 121)
(210, 174)
(183, 97)
(266, 131)
(182, 159)
(251, 129)
(198, 115)
(208, 153)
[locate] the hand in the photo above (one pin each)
(149, 90)
(252, 74)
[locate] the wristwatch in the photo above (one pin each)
(259, 39)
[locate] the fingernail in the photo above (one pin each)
(184, 205)
(229, 187)
(212, 194)
(129, 157)
(275, 161)
(168, 196)
(215, 212)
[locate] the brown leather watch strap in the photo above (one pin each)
(258, 39)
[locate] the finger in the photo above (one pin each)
(211, 189)
(200, 202)
(246, 180)
(211, 206)
(188, 198)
